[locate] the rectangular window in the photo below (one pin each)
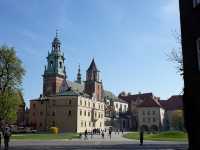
(85, 113)
(143, 112)
(149, 119)
(69, 113)
(154, 119)
(70, 102)
(153, 112)
(88, 114)
(80, 112)
(81, 123)
(198, 52)
(81, 102)
(144, 120)
(196, 3)
(148, 113)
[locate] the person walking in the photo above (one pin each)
(110, 132)
(0, 137)
(122, 131)
(86, 138)
(6, 135)
(141, 137)
(102, 134)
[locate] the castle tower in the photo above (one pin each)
(93, 86)
(54, 73)
(78, 80)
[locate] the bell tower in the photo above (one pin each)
(93, 85)
(54, 73)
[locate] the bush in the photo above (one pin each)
(54, 130)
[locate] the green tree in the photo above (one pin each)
(178, 120)
(11, 75)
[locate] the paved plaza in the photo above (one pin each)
(97, 143)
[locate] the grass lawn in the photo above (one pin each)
(162, 136)
(44, 136)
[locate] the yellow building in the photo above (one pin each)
(70, 112)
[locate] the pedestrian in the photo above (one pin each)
(102, 134)
(91, 134)
(118, 131)
(141, 137)
(6, 135)
(0, 138)
(110, 132)
(122, 131)
(86, 138)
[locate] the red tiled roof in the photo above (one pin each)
(143, 96)
(150, 103)
(173, 103)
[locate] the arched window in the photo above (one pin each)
(60, 63)
(51, 63)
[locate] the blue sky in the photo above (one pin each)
(129, 40)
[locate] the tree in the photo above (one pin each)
(177, 121)
(11, 75)
(175, 55)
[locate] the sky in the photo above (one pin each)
(129, 40)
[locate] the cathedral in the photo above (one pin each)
(70, 106)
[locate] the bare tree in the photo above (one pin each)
(175, 55)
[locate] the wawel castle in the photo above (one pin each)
(74, 106)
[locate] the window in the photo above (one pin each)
(53, 113)
(143, 112)
(99, 115)
(88, 104)
(100, 124)
(94, 105)
(116, 105)
(69, 113)
(85, 124)
(85, 112)
(85, 103)
(89, 124)
(144, 120)
(148, 113)
(153, 112)
(41, 113)
(149, 119)
(60, 63)
(53, 123)
(93, 124)
(198, 52)
(95, 114)
(154, 119)
(196, 3)
(70, 102)
(88, 114)
(80, 102)
(34, 105)
(80, 112)
(81, 123)
(51, 64)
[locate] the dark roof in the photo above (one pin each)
(150, 102)
(173, 103)
(92, 66)
(143, 96)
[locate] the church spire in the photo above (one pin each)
(56, 43)
(78, 80)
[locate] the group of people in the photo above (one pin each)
(5, 133)
(97, 132)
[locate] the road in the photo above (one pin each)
(97, 143)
